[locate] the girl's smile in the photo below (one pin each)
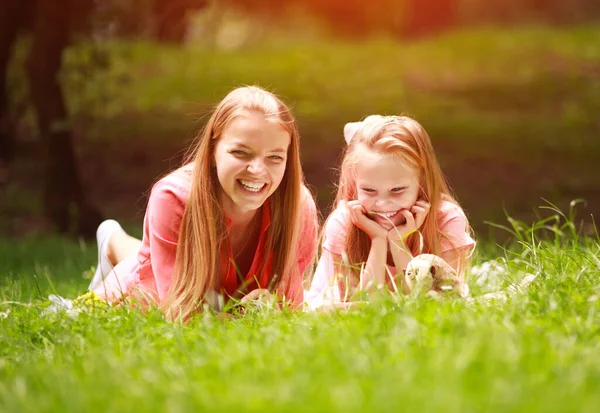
(386, 186)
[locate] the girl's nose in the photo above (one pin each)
(256, 166)
(381, 203)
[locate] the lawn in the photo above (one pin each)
(538, 351)
(513, 115)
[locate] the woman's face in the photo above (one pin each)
(386, 185)
(250, 158)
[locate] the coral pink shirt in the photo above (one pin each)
(452, 222)
(151, 270)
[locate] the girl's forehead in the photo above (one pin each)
(377, 167)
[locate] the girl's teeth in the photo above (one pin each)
(252, 186)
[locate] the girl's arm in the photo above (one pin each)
(401, 257)
(373, 274)
(333, 283)
(400, 253)
(453, 258)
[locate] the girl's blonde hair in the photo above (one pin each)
(203, 229)
(404, 138)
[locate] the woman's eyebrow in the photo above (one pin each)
(241, 145)
(276, 150)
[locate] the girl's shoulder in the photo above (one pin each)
(339, 216)
(336, 228)
(449, 210)
(454, 226)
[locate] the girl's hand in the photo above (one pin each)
(414, 220)
(370, 227)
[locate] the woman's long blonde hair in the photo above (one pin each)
(203, 230)
(404, 138)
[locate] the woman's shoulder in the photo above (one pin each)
(178, 181)
(173, 189)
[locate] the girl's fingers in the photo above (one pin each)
(418, 210)
(423, 204)
(410, 219)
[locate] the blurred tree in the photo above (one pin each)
(13, 17)
(170, 18)
(357, 18)
(52, 25)
(430, 17)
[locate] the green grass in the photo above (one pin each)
(536, 352)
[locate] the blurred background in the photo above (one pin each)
(99, 98)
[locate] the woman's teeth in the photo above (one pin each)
(252, 186)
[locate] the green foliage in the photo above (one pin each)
(536, 352)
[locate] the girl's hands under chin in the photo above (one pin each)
(414, 220)
(358, 216)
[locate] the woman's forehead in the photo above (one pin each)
(254, 130)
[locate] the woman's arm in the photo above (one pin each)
(163, 215)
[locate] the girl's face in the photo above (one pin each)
(250, 159)
(386, 185)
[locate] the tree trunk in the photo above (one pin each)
(11, 20)
(64, 201)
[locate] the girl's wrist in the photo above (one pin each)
(379, 240)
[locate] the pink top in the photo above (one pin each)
(452, 222)
(152, 269)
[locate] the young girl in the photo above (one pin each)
(235, 219)
(391, 188)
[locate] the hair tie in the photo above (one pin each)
(350, 129)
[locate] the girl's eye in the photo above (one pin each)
(238, 152)
(368, 190)
(276, 158)
(398, 189)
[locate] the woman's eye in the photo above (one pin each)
(238, 152)
(276, 158)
